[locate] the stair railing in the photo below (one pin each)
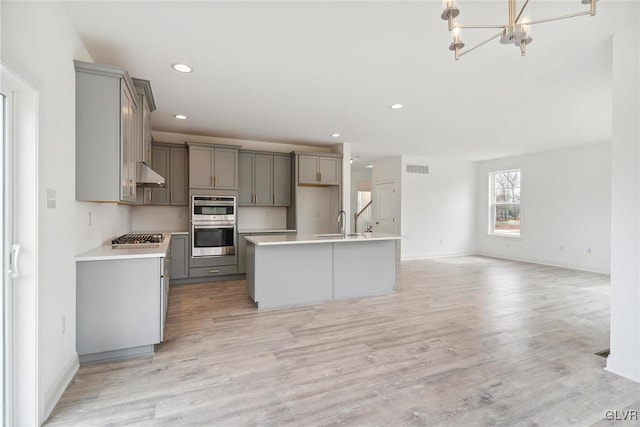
(363, 218)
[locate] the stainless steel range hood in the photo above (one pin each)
(147, 177)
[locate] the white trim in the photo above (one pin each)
(623, 368)
(62, 381)
(27, 226)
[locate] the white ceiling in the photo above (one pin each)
(297, 71)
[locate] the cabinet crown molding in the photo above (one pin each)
(206, 144)
(107, 71)
(143, 87)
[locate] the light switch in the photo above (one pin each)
(51, 198)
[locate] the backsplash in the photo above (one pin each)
(261, 217)
(160, 218)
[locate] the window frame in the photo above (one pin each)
(493, 205)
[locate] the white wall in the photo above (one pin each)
(624, 358)
(438, 208)
(39, 44)
(565, 208)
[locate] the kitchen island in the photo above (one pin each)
(286, 270)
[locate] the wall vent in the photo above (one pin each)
(417, 169)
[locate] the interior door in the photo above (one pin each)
(384, 205)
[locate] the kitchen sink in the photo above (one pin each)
(329, 235)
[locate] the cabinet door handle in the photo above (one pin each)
(214, 271)
(213, 182)
(274, 199)
(317, 176)
(150, 193)
(170, 196)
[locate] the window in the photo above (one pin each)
(505, 203)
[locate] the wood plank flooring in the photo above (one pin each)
(464, 341)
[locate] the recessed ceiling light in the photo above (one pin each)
(369, 166)
(335, 135)
(181, 117)
(396, 106)
(183, 68)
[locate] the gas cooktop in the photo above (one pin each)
(131, 241)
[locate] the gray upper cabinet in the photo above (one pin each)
(179, 176)
(282, 180)
(146, 104)
(171, 162)
(264, 179)
(106, 134)
(319, 169)
(245, 179)
(255, 179)
(213, 167)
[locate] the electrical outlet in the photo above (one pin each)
(589, 251)
(63, 325)
(90, 221)
(561, 247)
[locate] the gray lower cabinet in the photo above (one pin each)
(171, 162)
(120, 307)
(213, 266)
(179, 256)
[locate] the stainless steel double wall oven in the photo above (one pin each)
(213, 226)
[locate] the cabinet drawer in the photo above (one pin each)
(219, 270)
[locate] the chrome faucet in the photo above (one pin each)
(342, 219)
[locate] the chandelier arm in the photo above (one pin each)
(522, 10)
(557, 18)
(482, 43)
(480, 26)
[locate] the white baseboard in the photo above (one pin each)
(435, 255)
(535, 261)
(622, 368)
(54, 393)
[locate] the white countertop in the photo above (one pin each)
(266, 230)
(106, 252)
(295, 239)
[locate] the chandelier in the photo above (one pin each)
(516, 31)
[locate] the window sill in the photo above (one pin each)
(508, 236)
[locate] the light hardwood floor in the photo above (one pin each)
(464, 341)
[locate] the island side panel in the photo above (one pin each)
(250, 263)
(292, 274)
(364, 268)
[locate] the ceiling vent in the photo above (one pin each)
(418, 169)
